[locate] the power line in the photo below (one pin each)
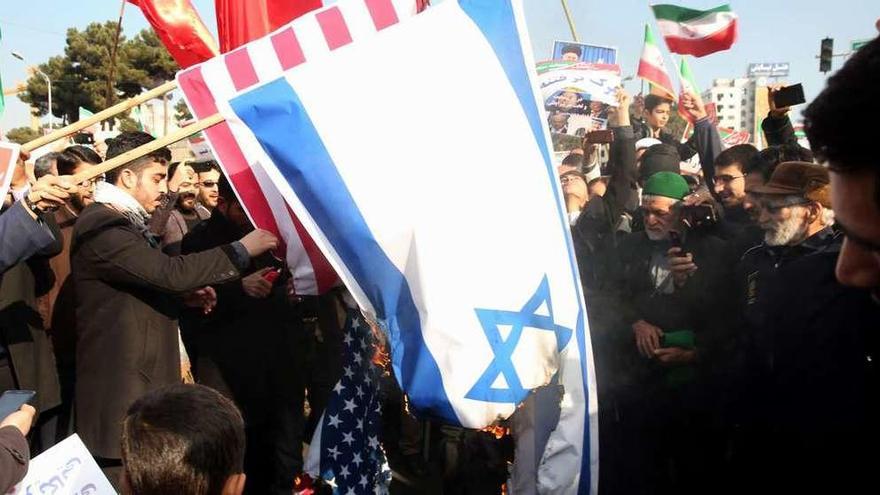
(35, 29)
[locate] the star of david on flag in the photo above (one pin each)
(503, 348)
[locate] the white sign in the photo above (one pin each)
(779, 69)
(66, 469)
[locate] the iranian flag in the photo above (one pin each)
(688, 85)
(696, 32)
(653, 69)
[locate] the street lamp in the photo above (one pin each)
(48, 83)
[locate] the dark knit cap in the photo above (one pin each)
(659, 158)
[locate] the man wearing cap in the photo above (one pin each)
(808, 397)
(665, 287)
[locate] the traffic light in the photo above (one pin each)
(825, 53)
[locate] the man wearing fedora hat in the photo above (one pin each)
(802, 339)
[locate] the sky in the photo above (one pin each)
(770, 31)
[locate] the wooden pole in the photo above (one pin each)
(568, 17)
(102, 115)
(146, 149)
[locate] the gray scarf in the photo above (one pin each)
(108, 194)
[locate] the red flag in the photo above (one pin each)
(241, 21)
(181, 30)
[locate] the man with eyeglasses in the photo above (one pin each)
(808, 389)
(730, 188)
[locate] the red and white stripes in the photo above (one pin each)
(209, 86)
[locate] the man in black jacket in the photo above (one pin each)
(809, 398)
(129, 294)
(251, 349)
(666, 297)
(597, 221)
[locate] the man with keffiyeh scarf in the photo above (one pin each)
(130, 293)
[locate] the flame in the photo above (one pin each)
(381, 356)
(497, 430)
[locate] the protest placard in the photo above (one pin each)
(577, 95)
(66, 469)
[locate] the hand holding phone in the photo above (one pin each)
(786, 97)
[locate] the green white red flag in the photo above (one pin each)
(652, 68)
(696, 32)
(688, 85)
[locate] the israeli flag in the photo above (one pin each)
(414, 152)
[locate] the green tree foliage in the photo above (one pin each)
(181, 111)
(79, 77)
(128, 124)
(22, 135)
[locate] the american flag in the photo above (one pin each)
(209, 86)
(345, 451)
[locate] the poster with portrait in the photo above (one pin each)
(572, 51)
(577, 96)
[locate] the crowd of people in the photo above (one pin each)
(733, 314)
(733, 337)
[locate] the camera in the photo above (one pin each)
(697, 217)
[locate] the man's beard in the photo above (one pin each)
(187, 202)
(77, 203)
(787, 233)
(656, 236)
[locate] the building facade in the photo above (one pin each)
(734, 101)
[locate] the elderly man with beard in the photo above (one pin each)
(808, 397)
(671, 314)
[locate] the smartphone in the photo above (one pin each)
(600, 136)
(12, 400)
(676, 241)
(789, 96)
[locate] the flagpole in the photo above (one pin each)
(146, 149)
(568, 17)
(98, 117)
(108, 100)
